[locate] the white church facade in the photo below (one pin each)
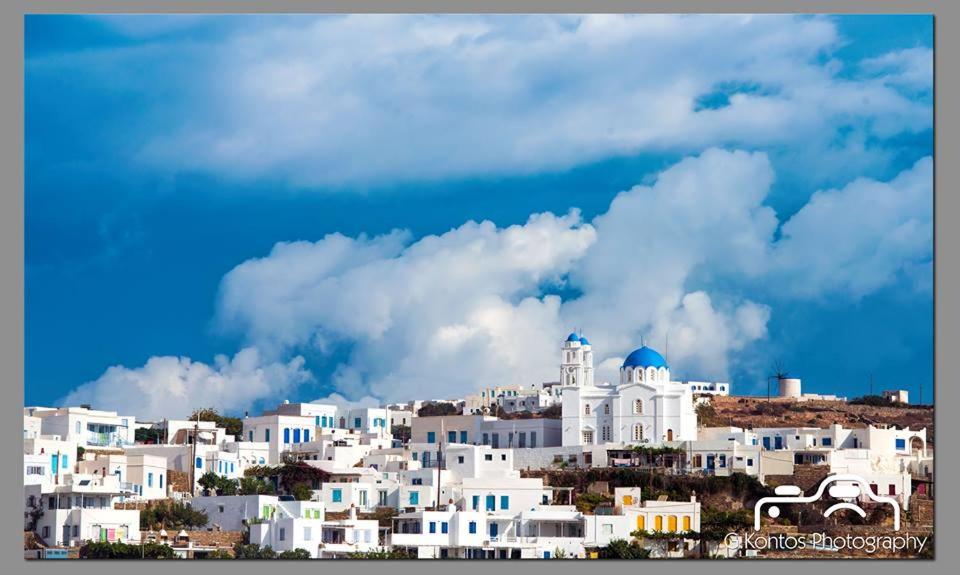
(644, 407)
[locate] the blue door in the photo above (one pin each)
(710, 461)
(766, 443)
(778, 442)
(494, 529)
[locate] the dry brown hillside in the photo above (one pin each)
(751, 412)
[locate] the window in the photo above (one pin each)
(638, 406)
(827, 441)
(488, 457)
(250, 435)
(356, 422)
(607, 528)
(522, 442)
(149, 480)
(472, 527)
(414, 498)
(463, 437)
(451, 437)
(286, 435)
(431, 437)
(491, 503)
(433, 527)
(586, 409)
(606, 409)
(587, 438)
(891, 489)
(686, 523)
(460, 459)
(533, 439)
(444, 527)
(220, 508)
(503, 457)
(417, 481)
(638, 432)
(486, 439)
(605, 433)
(504, 502)
(198, 463)
(323, 421)
(316, 420)
(283, 534)
(337, 495)
(306, 435)
(266, 434)
(363, 498)
(749, 462)
(76, 531)
(476, 503)
(382, 498)
(901, 444)
(307, 533)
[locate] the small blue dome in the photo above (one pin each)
(584, 341)
(645, 357)
(573, 337)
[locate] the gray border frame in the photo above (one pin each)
(946, 281)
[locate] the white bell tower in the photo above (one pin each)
(576, 361)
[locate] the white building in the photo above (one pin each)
(87, 427)
(302, 525)
(645, 407)
(81, 508)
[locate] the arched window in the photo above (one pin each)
(586, 409)
(638, 406)
(639, 374)
(686, 523)
(652, 375)
(606, 409)
(629, 374)
(638, 432)
(672, 523)
(658, 523)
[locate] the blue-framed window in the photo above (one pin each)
(504, 502)
(472, 527)
(323, 421)
(337, 495)
(414, 498)
(476, 503)
(356, 423)
(901, 444)
(433, 527)
(463, 437)
(491, 503)
(149, 479)
(286, 435)
(250, 435)
(266, 434)
(306, 435)
(431, 437)
(444, 527)
(198, 463)
(451, 437)
(161, 481)
(827, 441)
(316, 421)
(296, 436)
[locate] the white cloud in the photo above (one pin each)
(341, 401)
(381, 98)
(857, 239)
(174, 386)
(674, 260)
(909, 68)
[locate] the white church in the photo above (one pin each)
(644, 407)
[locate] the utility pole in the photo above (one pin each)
(193, 457)
(439, 460)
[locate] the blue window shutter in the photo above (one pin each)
(433, 527)
(286, 435)
(504, 502)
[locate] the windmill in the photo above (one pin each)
(779, 372)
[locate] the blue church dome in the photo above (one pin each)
(584, 341)
(645, 357)
(573, 337)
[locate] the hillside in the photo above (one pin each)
(751, 412)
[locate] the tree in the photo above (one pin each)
(107, 550)
(401, 432)
(233, 425)
(555, 411)
(255, 486)
(433, 409)
(301, 492)
(253, 551)
(214, 484)
(623, 549)
(171, 515)
(148, 435)
(295, 554)
(392, 554)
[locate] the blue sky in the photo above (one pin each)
(758, 200)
